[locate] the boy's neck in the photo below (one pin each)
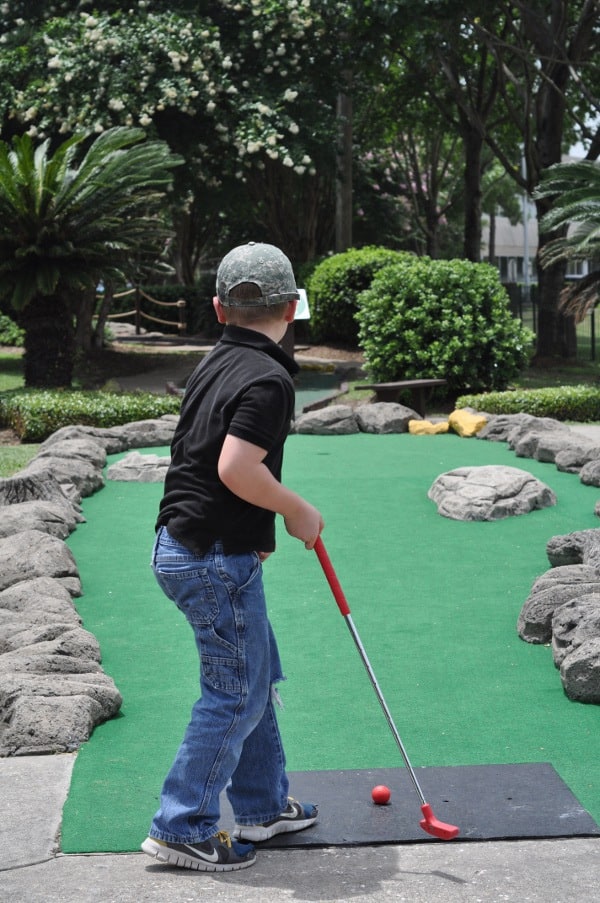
(274, 330)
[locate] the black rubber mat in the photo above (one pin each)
(487, 802)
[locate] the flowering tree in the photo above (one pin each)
(227, 84)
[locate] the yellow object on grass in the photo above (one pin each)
(426, 427)
(466, 424)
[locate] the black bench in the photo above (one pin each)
(417, 388)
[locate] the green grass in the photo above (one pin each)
(15, 457)
(11, 370)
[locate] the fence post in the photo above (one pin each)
(593, 332)
(138, 318)
(181, 312)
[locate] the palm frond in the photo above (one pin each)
(578, 298)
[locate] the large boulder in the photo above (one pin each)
(574, 623)
(384, 417)
(580, 672)
(551, 591)
(31, 553)
(590, 473)
(336, 420)
(139, 468)
(489, 493)
(580, 547)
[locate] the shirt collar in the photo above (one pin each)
(239, 335)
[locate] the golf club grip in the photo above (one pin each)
(334, 583)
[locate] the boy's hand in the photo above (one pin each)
(305, 523)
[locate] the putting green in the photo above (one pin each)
(435, 602)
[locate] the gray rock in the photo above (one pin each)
(580, 672)
(73, 651)
(139, 468)
(40, 724)
(77, 477)
(84, 449)
(489, 493)
(574, 623)
(96, 684)
(544, 445)
(336, 420)
(30, 554)
(22, 488)
(43, 598)
(18, 630)
(572, 458)
(549, 592)
(590, 473)
(112, 442)
(384, 417)
(527, 423)
(48, 517)
(147, 433)
(580, 547)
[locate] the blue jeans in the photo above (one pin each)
(232, 740)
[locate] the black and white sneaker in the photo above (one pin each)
(217, 854)
(295, 817)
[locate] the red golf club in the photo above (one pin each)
(429, 822)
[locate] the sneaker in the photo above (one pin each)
(295, 817)
(217, 854)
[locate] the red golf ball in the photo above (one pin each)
(381, 794)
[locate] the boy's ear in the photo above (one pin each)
(291, 311)
(219, 310)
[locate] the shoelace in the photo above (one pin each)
(223, 837)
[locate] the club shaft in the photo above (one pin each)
(383, 704)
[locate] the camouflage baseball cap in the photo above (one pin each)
(263, 265)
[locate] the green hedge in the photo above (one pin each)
(334, 286)
(34, 415)
(578, 403)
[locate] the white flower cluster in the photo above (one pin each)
(95, 70)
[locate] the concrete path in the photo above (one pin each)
(32, 870)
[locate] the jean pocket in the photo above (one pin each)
(190, 588)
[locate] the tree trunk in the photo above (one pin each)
(85, 316)
(343, 213)
(492, 238)
(473, 144)
(49, 344)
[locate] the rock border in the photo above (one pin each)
(53, 691)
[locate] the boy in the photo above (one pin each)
(215, 527)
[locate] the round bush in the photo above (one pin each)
(442, 319)
(333, 289)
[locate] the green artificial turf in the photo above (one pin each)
(435, 602)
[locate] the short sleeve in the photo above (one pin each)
(263, 414)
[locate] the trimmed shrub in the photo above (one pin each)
(34, 415)
(577, 403)
(333, 289)
(441, 319)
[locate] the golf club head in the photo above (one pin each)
(435, 827)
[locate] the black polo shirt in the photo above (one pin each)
(244, 388)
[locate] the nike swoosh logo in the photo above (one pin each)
(207, 857)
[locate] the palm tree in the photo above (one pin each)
(69, 220)
(576, 188)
